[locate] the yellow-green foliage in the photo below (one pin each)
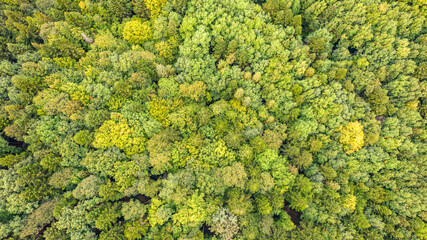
(350, 202)
(155, 7)
(352, 136)
(194, 211)
(117, 132)
(152, 218)
(165, 50)
(195, 91)
(77, 92)
(105, 41)
(217, 119)
(137, 32)
(160, 108)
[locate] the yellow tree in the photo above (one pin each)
(155, 7)
(117, 132)
(137, 32)
(352, 136)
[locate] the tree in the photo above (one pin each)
(60, 41)
(352, 135)
(107, 217)
(155, 7)
(102, 162)
(87, 188)
(61, 179)
(285, 221)
(136, 229)
(234, 175)
(95, 118)
(300, 194)
(117, 132)
(140, 9)
(266, 159)
(239, 203)
(195, 211)
(159, 147)
(116, 232)
(195, 91)
(106, 41)
(137, 32)
(119, 9)
(165, 50)
(83, 138)
(303, 159)
(74, 220)
(39, 218)
(133, 210)
(34, 179)
(263, 205)
(224, 224)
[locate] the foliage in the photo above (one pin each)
(137, 32)
(224, 224)
(117, 132)
(352, 134)
(213, 119)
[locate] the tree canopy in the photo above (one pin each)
(213, 119)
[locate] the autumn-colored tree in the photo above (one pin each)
(137, 32)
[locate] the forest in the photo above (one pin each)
(213, 119)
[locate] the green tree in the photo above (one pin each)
(300, 194)
(87, 188)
